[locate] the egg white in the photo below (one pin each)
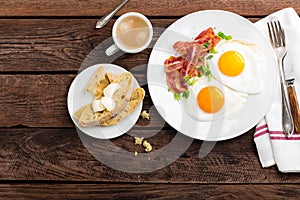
(250, 81)
(233, 100)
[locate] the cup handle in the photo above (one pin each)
(112, 50)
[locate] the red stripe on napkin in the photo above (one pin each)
(279, 135)
(260, 133)
(261, 127)
(284, 138)
(261, 130)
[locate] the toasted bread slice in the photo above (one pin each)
(100, 85)
(137, 96)
(78, 113)
(111, 76)
(103, 83)
(121, 97)
(98, 74)
(88, 117)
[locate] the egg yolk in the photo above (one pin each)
(210, 99)
(231, 63)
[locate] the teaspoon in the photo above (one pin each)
(101, 22)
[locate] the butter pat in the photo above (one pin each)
(111, 89)
(106, 102)
(97, 106)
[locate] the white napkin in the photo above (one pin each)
(272, 145)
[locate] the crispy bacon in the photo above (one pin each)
(192, 54)
(173, 63)
(192, 58)
(181, 47)
(201, 61)
(176, 82)
(207, 37)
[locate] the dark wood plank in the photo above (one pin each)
(63, 44)
(41, 101)
(153, 8)
(59, 154)
(148, 191)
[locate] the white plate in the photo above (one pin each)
(185, 29)
(77, 97)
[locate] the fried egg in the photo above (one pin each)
(211, 100)
(239, 66)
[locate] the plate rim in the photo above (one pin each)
(240, 131)
(135, 114)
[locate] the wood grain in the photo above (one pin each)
(152, 8)
(41, 101)
(62, 45)
(59, 155)
(148, 191)
(295, 110)
(43, 44)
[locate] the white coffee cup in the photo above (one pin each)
(132, 33)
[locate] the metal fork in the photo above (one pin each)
(277, 39)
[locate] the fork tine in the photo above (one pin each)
(275, 33)
(270, 34)
(281, 33)
(278, 33)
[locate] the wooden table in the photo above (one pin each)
(42, 46)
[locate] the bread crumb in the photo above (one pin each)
(138, 140)
(135, 153)
(145, 115)
(147, 146)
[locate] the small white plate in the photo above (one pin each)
(187, 28)
(77, 97)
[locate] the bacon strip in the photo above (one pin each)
(173, 63)
(207, 36)
(176, 82)
(192, 58)
(181, 47)
(178, 67)
(207, 39)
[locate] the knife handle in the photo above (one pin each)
(294, 107)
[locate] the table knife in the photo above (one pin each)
(294, 106)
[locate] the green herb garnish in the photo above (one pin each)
(187, 77)
(206, 45)
(186, 94)
(206, 71)
(191, 81)
(209, 57)
(177, 96)
(223, 36)
(213, 50)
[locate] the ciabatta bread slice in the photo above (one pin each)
(111, 76)
(98, 74)
(120, 97)
(137, 96)
(78, 113)
(88, 117)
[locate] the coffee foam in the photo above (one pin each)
(132, 32)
